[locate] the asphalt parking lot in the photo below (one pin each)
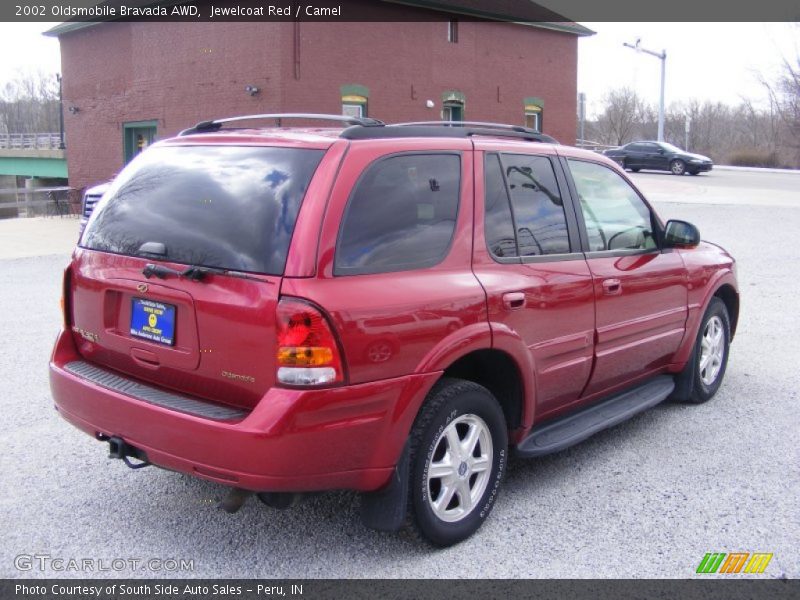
(646, 499)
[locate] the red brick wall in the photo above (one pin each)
(181, 73)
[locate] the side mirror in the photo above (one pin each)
(680, 234)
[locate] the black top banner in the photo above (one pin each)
(544, 11)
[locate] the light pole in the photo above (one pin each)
(688, 128)
(60, 113)
(663, 57)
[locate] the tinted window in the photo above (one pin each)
(401, 215)
(219, 206)
(536, 204)
(616, 217)
(498, 225)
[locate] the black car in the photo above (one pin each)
(659, 156)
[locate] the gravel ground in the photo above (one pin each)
(646, 499)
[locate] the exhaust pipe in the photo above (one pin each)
(234, 500)
(119, 448)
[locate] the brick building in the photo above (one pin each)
(128, 83)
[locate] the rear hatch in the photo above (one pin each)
(177, 276)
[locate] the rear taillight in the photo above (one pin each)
(66, 290)
(307, 349)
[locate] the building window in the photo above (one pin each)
(453, 111)
(534, 109)
(136, 136)
(354, 100)
(354, 109)
(452, 32)
(532, 120)
(453, 105)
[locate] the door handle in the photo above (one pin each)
(612, 287)
(514, 300)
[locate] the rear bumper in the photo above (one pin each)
(294, 440)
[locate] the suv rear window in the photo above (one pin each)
(230, 207)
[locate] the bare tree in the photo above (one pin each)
(621, 118)
(785, 96)
(29, 104)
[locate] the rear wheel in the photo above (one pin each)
(459, 444)
(678, 167)
(703, 374)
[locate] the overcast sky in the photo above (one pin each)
(707, 61)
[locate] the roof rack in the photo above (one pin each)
(448, 129)
(216, 124)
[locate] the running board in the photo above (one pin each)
(567, 431)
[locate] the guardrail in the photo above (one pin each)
(59, 201)
(30, 141)
(590, 145)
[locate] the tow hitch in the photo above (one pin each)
(119, 448)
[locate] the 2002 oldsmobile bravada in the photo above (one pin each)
(383, 308)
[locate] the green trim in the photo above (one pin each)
(33, 167)
(354, 89)
(454, 96)
(535, 100)
(133, 124)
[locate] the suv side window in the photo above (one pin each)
(401, 215)
(616, 217)
(535, 210)
(536, 205)
(498, 223)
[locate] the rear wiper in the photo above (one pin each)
(193, 273)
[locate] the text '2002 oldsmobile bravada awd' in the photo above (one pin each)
(383, 308)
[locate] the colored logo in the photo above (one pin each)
(735, 562)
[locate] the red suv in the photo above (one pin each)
(382, 308)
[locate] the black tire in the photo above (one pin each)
(692, 384)
(677, 166)
(455, 406)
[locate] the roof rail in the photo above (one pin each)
(483, 124)
(448, 129)
(216, 124)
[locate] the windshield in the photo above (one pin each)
(230, 207)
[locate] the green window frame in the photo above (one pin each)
(355, 100)
(136, 136)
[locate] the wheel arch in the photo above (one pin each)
(498, 372)
(730, 298)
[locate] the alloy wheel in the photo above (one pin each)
(459, 468)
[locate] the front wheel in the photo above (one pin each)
(703, 374)
(459, 446)
(678, 167)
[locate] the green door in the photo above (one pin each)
(137, 136)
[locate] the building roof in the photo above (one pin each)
(525, 12)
